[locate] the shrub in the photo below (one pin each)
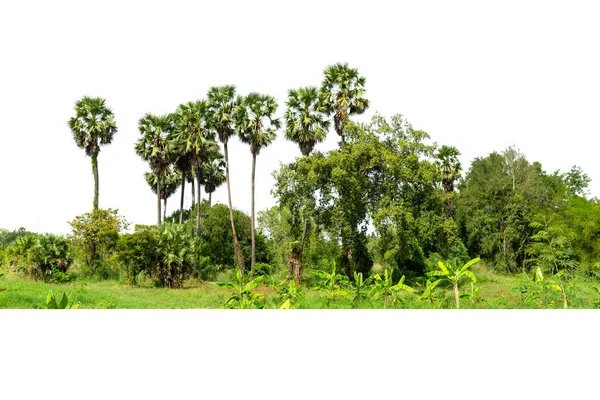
(137, 251)
(175, 256)
(262, 269)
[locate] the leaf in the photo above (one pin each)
(64, 302)
(228, 285)
(539, 277)
(442, 267)
(468, 264)
(285, 305)
(470, 275)
(76, 306)
(51, 301)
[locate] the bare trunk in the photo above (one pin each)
(456, 295)
(252, 217)
(96, 179)
(165, 209)
(239, 257)
(158, 195)
(199, 202)
(181, 202)
(193, 193)
(210, 199)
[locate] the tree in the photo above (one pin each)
(213, 174)
(154, 147)
(449, 164)
(223, 103)
(257, 127)
(93, 125)
(169, 183)
(454, 276)
(342, 94)
(195, 137)
(306, 126)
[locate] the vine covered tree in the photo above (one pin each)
(342, 94)
(223, 103)
(154, 147)
(258, 128)
(92, 126)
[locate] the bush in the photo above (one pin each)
(262, 269)
(175, 256)
(137, 251)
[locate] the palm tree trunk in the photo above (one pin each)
(165, 209)
(96, 179)
(181, 203)
(193, 193)
(210, 199)
(158, 195)
(252, 216)
(199, 202)
(239, 258)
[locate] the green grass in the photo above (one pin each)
(495, 291)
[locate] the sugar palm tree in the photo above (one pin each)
(449, 164)
(223, 103)
(306, 125)
(258, 128)
(169, 182)
(213, 174)
(154, 147)
(194, 136)
(93, 125)
(342, 94)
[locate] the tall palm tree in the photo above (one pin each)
(169, 182)
(213, 174)
(195, 137)
(305, 125)
(304, 119)
(93, 125)
(183, 163)
(258, 128)
(449, 164)
(342, 94)
(223, 103)
(154, 147)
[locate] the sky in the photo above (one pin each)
(479, 76)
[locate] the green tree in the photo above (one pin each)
(258, 128)
(137, 251)
(96, 235)
(154, 147)
(454, 276)
(342, 94)
(92, 126)
(223, 103)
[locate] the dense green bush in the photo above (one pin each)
(174, 256)
(137, 251)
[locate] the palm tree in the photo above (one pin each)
(223, 103)
(169, 183)
(342, 94)
(304, 119)
(449, 164)
(306, 126)
(213, 174)
(194, 136)
(93, 125)
(154, 147)
(183, 163)
(258, 126)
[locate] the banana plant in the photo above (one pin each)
(64, 303)
(288, 291)
(243, 296)
(385, 286)
(332, 283)
(429, 286)
(359, 287)
(454, 276)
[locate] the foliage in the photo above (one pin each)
(544, 291)
(174, 256)
(288, 291)
(385, 288)
(244, 296)
(95, 235)
(137, 251)
(359, 288)
(331, 282)
(65, 302)
(454, 276)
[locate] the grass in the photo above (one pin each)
(495, 291)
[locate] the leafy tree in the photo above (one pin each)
(223, 104)
(175, 256)
(154, 147)
(257, 127)
(96, 235)
(342, 94)
(137, 251)
(92, 126)
(454, 276)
